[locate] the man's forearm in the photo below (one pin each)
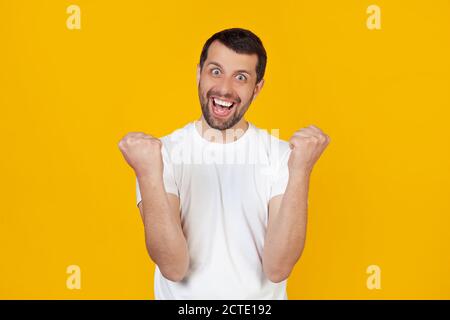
(286, 233)
(165, 241)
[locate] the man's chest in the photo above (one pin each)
(228, 188)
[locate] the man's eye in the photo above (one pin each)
(215, 72)
(241, 77)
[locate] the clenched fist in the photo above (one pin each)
(307, 145)
(143, 154)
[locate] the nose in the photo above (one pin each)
(225, 88)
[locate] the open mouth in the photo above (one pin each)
(221, 108)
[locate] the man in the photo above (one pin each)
(224, 204)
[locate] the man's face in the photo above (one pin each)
(226, 85)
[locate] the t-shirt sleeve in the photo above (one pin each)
(170, 184)
(280, 176)
(138, 193)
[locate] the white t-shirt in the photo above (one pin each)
(224, 191)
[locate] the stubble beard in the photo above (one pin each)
(218, 124)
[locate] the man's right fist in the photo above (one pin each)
(143, 153)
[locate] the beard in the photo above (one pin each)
(220, 124)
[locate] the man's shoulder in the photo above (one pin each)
(271, 141)
(178, 135)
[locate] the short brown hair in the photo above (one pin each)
(240, 41)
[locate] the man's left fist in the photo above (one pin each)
(307, 145)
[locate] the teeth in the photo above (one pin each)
(223, 103)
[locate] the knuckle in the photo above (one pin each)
(313, 139)
(155, 142)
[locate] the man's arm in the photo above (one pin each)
(286, 228)
(164, 238)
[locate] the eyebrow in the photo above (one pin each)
(238, 71)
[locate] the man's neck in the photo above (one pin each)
(222, 136)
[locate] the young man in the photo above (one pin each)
(224, 204)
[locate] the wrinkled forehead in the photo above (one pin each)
(230, 60)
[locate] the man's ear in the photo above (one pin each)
(258, 88)
(198, 74)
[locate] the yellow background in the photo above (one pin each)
(379, 195)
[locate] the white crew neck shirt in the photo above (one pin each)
(224, 191)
